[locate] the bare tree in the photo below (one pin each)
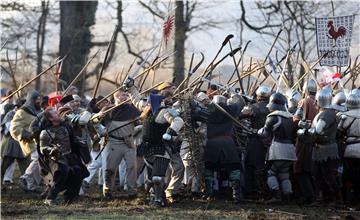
(186, 23)
(40, 38)
(24, 26)
(297, 21)
(76, 17)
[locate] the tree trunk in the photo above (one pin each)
(180, 37)
(76, 17)
(40, 40)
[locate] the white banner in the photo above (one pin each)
(333, 35)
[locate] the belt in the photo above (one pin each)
(117, 138)
(283, 141)
(352, 142)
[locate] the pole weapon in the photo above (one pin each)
(32, 80)
(104, 62)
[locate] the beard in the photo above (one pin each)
(37, 106)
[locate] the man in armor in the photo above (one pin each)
(293, 98)
(338, 102)
(65, 170)
(176, 165)
(120, 146)
(356, 92)
(161, 126)
(304, 116)
(281, 154)
(79, 120)
(255, 155)
(194, 142)
(221, 151)
(325, 153)
(349, 127)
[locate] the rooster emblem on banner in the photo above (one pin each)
(335, 34)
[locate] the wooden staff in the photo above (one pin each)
(231, 117)
(32, 80)
(142, 73)
(80, 73)
(238, 63)
(310, 72)
(248, 80)
(272, 45)
(104, 63)
(126, 101)
(114, 129)
(146, 75)
(299, 80)
(211, 64)
(190, 73)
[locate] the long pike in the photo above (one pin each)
(80, 73)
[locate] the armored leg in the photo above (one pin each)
(284, 178)
(158, 172)
(234, 178)
(273, 183)
(209, 182)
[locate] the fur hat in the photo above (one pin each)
(66, 99)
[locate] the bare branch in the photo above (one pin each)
(152, 11)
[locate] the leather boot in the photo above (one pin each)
(209, 190)
(337, 200)
(236, 189)
(286, 198)
(276, 197)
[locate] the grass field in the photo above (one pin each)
(17, 204)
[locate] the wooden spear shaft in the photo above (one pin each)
(32, 80)
(80, 73)
(299, 80)
(127, 100)
(105, 60)
(142, 73)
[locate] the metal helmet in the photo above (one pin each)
(201, 96)
(219, 99)
(338, 101)
(352, 102)
(323, 98)
(263, 91)
(294, 98)
(356, 92)
(236, 99)
(277, 102)
(310, 86)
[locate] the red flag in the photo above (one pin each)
(168, 34)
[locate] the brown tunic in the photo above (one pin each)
(304, 148)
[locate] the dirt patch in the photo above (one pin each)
(17, 204)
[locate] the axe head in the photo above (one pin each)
(227, 39)
(233, 52)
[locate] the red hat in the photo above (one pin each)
(54, 100)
